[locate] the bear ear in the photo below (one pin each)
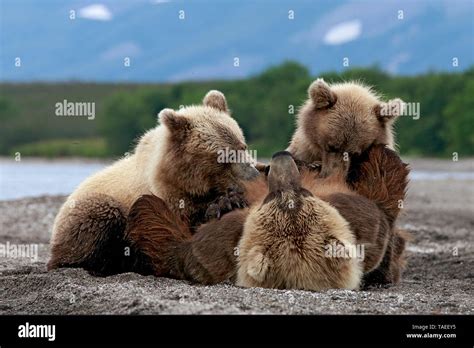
(172, 120)
(216, 100)
(389, 111)
(321, 94)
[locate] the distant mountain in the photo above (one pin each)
(211, 37)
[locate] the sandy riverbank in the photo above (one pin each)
(439, 277)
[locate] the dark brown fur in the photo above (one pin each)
(156, 231)
(100, 253)
(367, 222)
(390, 269)
(376, 187)
(171, 250)
(380, 176)
(208, 257)
(370, 201)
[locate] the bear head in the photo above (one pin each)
(346, 118)
(284, 239)
(206, 147)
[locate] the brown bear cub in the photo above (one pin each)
(339, 121)
(177, 161)
(367, 207)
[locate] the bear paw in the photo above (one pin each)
(234, 198)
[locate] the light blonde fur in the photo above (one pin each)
(280, 251)
(159, 167)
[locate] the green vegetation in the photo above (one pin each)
(89, 147)
(261, 104)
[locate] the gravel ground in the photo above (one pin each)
(438, 279)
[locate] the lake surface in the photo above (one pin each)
(29, 178)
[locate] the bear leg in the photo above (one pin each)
(393, 262)
(89, 234)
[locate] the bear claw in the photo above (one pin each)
(232, 199)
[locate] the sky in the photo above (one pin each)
(171, 40)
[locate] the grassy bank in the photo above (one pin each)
(265, 106)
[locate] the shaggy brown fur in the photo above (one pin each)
(341, 118)
(170, 249)
(393, 263)
(155, 230)
(177, 161)
(369, 201)
(91, 236)
(208, 256)
(190, 176)
(285, 239)
(381, 176)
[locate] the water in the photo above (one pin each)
(36, 178)
(439, 175)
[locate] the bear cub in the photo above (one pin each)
(339, 121)
(176, 161)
